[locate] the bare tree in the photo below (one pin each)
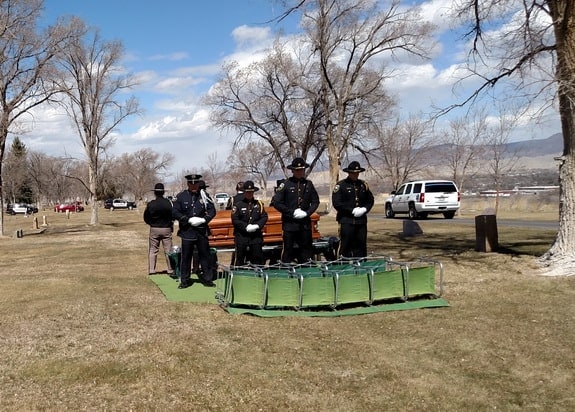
(328, 98)
(214, 173)
(350, 38)
(142, 169)
(498, 159)
(402, 149)
(256, 161)
(26, 65)
(541, 40)
(462, 146)
(274, 100)
(47, 174)
(93, 82)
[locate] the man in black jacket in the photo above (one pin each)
(353, 200)
(193, 210)
(158, 215)
(296, 199)
(249, 217)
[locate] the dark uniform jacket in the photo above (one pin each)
(158, 213)
(347, 195)
(190, 204)
(292, 194)
(248, 212)
(234, 199)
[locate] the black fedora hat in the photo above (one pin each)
(298, 163)
(354, 167)
(250, 187)
(193, 178)
(159, 188)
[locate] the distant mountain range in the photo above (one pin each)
(553, 145)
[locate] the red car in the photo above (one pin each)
(72, 207)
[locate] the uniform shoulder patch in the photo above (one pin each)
(335, 188)
(234, 209)
(280, 187)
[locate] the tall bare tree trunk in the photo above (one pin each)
(560, 258)
(333, 157)
(92, 183)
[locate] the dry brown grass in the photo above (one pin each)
(82, 328)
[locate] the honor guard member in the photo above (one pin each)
(352, 200)
(194, 210)
(296, 199)
(239, 195)
(196, 258)
(249, 217)
(158, 215)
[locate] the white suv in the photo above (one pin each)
(222, 200)
(423, 197)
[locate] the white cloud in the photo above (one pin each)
(437, 12)
(176, 56)
(247, 36)
(175, 85)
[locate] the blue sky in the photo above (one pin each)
(176, 48)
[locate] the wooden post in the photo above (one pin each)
(486, 238)
(44, 221)
(67, 213)
(35, 223)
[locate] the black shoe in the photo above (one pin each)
(184, 285)
(208, 283)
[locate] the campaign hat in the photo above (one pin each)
(250, 187)
(354, 167)
(159, 188)
(298, 163)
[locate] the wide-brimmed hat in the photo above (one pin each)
(203, 184)
(250, 187)
(240, 186)
(159, 188)
(298, 163)
(193, 178)
(354, 167)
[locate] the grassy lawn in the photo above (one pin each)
(83, 328)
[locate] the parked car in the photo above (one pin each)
(72, 207)
(424, 197)
(119, 204)
(21, 208)
(221, 200)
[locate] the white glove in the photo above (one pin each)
(359, 211)
(299, 214)
(252, 228)
(196, 221)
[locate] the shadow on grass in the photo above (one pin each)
(85, 228)
(453, 244)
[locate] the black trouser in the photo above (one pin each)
(204, 255)
(248, 250)
(297, 245)
(352, 240)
